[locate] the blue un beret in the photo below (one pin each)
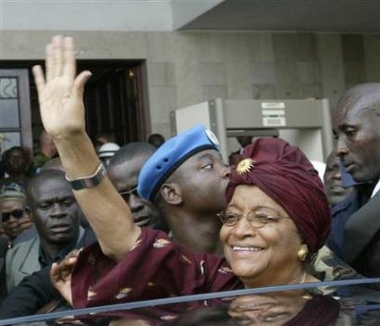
(170, 155)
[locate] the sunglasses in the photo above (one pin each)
(16, 213)
(127, 193)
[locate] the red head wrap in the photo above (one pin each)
(285, 174)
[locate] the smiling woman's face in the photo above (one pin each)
(266, 255)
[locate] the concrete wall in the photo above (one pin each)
(189, 67)
(106, 15)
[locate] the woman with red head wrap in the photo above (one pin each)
(277, 214)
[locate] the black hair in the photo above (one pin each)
(130, 150)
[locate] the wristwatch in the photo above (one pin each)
(89, 181)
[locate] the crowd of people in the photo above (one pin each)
(169, 219)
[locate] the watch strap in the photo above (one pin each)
(89, 181)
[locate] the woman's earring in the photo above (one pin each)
(302, 253)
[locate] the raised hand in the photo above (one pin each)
(60, 95)
(60, 91)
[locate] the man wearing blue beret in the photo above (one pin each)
(186, 178)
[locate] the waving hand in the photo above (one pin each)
(60, 91)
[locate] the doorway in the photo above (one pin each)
(115, 99)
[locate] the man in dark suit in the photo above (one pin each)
(356, 123)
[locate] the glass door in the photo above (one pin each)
(15, 116)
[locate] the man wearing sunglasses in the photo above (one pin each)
(123, 170)
(13, 211)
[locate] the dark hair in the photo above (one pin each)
(7, 154)
(9, 151)
(156, 140)
(126, 152)
(39, 179)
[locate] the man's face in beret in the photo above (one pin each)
(203, 179)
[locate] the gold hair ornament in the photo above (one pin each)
(245, 166)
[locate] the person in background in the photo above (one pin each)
(343, 195)
(36, 291)
(16, 162)
(54, 163)
(46, 151)
(186, 179)
(336, 191)
(103, 138)
(106, 151)
(123, 170)
(15, 217)
(235, 157)
(156, 140)
(56, 216)
(15, 221)
(356, 125)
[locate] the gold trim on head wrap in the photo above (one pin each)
(245, 166)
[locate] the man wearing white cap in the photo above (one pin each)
(106, 151)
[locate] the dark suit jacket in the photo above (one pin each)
(340, 213)
(36, 290)
(362, 238)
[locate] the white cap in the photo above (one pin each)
(108, 150)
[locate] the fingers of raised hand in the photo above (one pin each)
(39, 78)
(55, 272)
(73, 253)
(49, 62)
(54, 54)
(69, 67)
(60, 58)
(80, 82)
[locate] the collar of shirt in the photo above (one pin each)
(44, 262)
